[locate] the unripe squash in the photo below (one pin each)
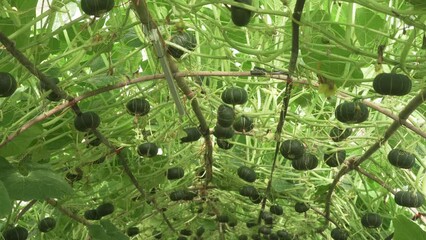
(335, 159)
(92, 214)
(192, 135)
(16, 233)
(138, 106)
(339, 234)
(186, 232)
(96, 7)
(371, 220)
(184, 39)
(248, 191)
(338, 134)
(241, 16)
(234, 95)
(86, 121)
(148, 149)
(283, 234)
(8, 84)
(243, 124)
(175, 173)
(307, 162)
(400, 158)
(225, 115)
(223, 132)
(351, 112)
(267, 218)
(265, 230)
(392, 84)
(105, 209)
(224, 144)
(182, 195)
(292, 149)
(46, 224)
(276, 209)
(132, 231)
(301, 207)
(409, 199)
(247, 174)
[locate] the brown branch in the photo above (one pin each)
(68, 212)
(25, 209)
(376, 179)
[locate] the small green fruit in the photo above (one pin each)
(371, 220)
(96, 7)
(301, 207)
(392, 84)
(351, 112)
(243, 124)
(92, 214)
(409, 199)
(339, 234)
(234, 95)
(8, 84)
(240, 16)
(46, 224)
(338, 134)
(225, 115)
(186, 232)
(335, 159)
(192, 135)
(223, 132)
(138, 106)
(148, 149)
(223, 218)
(276, 209)
(105, 209)
(86, 121)
(292, 149)
(184, 39)
(16, 233)
(221, 143)
(132, 231)
(307, 162)
(402, 159)
(175, 173)
(247, 174)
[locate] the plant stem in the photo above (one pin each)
(68, 212)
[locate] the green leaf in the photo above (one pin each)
(405, 229)
(20, 144)
(6, 205)
(370, 20)
(106, 231)
(38, 184)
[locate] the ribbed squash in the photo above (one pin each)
(248, 191)
(243, 124)
(371, 220)
(283, 234)
(8, 84)
(339, 234)
(16, 233)
(46, 224)
(276, 209)
(192, 135)
(334, 159)
(105, 209)
(234, 95)
(96, 7)
(267, 218)
(351, 112)
(86, 121)
(224, 144)
(138, 106)
(307, 162)
(265, 230)
(132, 231)
(91, 215)
(186, 232)
(247, 174)
(292, 149)
(301, 207)
(241, 16)
(175, 173)
(148, 149)
(409, 199)
(186, 40)
(338, 134)
(182, 195)
(225, 115)
(392, 84)
(400, 158)
(223, 132)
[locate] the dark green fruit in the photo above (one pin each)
(392, 84)
(351, 112)
(243, 124)
(273, 236)
(251, 223)
(247, 174)
(243, 237)
(234, 95)
(240, 16)
(186, 232)
(301, 207)
(86, 121)
(248, 191)
(182, 195)
(256, 199)
(409, 199)
(8, 84)
(132, 231)
(224, 144)
(402, 159)
(232, 222)
(16, 233)
(276, 209)
(46, 224)
(267, 218)
(105, 209)
(175, 173)
(92, 214)
(292, 149)
(223, 132)
(192, 135)
(96, 7)
(148, 149)
(138, 106)
(338, 134)
(184, 39)
(265, 230)
(200, 231)
(335, 159)
(339, 234)
(371, 220)
(52, 96)
(283, 234)
(223, 218)
(225, 115)
(307, 162)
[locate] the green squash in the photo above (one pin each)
(292, 149)
(283, 234)
(184, 39)
(351, 112)
(337, 135)
(307, 162)
(148, 149)
(175, 173)
(334, 159)
(225, 115)
(105, 209)
(132, 231)
(46, 224)
(234, 95)
(138, 106)
(392, 84)
(256, 198)
(243, 124)
(248, 191)
(182, 195)
(371, 220)
(409, 199)
(186, 232)
(265, 230)
(96, 7)
(8, 84)
(267, 218)
(301, 207)
(240, 16)
(339, 234)
(192, 135)
(247, 174)
(52, 96)
(86, 121)
(92, 214)
(223, 132)
(224, 144)
(276, 209)
(402, 159)
(16, 233)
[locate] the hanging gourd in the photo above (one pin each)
(96, 7)
(86, 121)
(337, 134)
(292, 149)
(276, 209)
(8, 84)
(148, 149)
(185, 39)
(243, 124)
(307, 162)
(334, 159)
(138, 106)
(339, 234)
(223, 132)
(132, 231)
(247, 174)
(16, 233)
(241, 16)
(400, 158)
(192, 135)
(409, 199)
(392, 84)
(225, 115)
(175, 173)
(46, 224)
(301, 207)
(248, 191)
(234, 95)
(371, 220)
(351, 112)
